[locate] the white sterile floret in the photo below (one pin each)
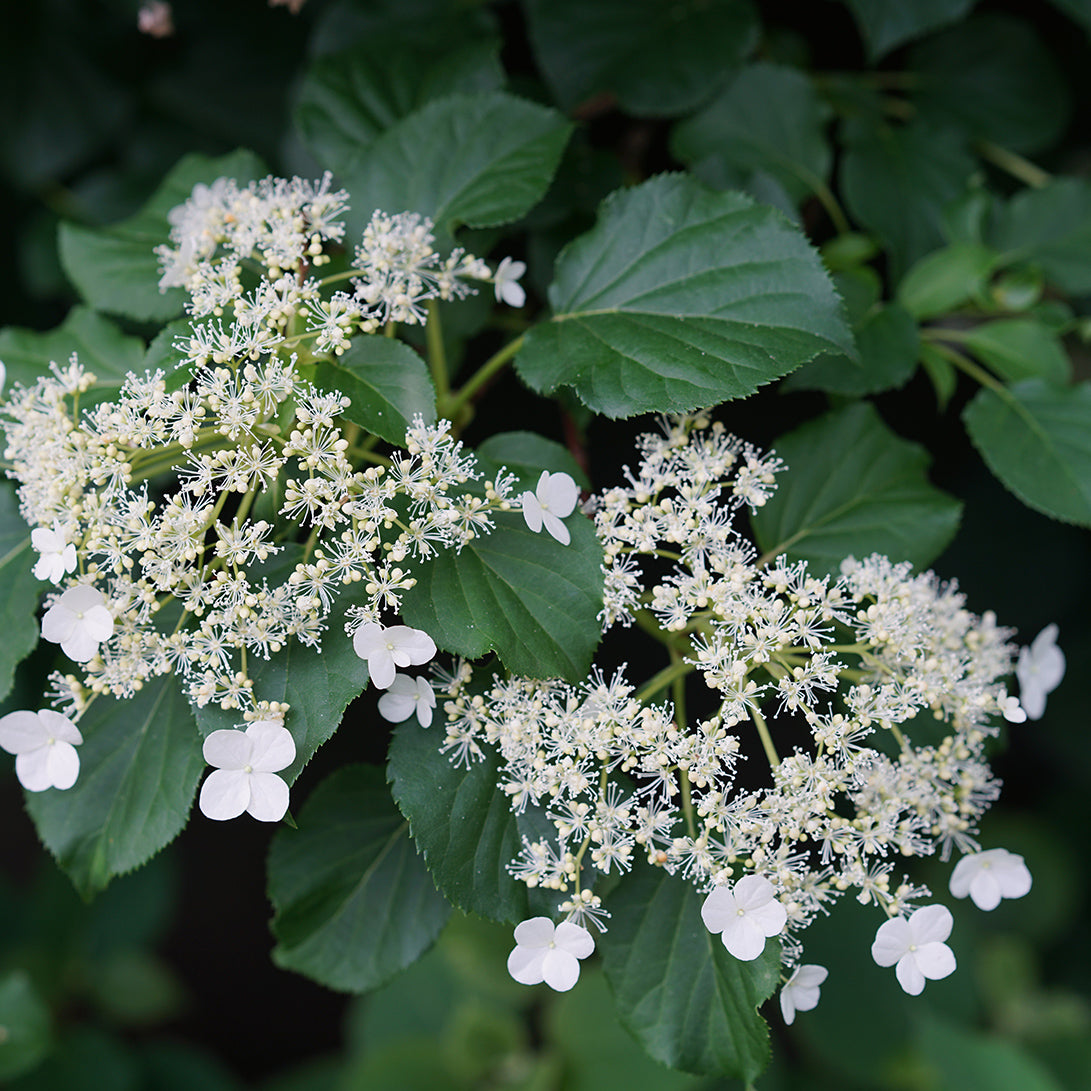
(1012, 710)
(1039, 670)
(405, 696)
(549, 953)
(746, 915)
(916, 947)
(58, 554)
(384, 649)
(800, 991)
(44, 744)
(989, 876)
(244, 779)
(553, 500)
(506, 280)
(79, 621)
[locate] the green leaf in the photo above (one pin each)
(680, 298)
(139, 766)
(387, 382)
(992, 76)
(1077, 10)
(479, 160)
(102, 348)
(1020, 348)
(115, 268)
(462, 823)
(852, 487)
(657, 59)
(888, 342)
(348, 100)
(690, 1004)
(897, 182)
(354, 902)
(318, 685)
(525, 596)
(886, 24)
(1034, 437)
(769, 119)
(19, 589)
(941, 372)
(25, 1020)
(946, 279)
(1050, 226)
(527, 454)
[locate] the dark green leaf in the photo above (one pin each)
(26, 1024)
(691, 1004)
(888, 342)
(1034, 437)
(992, 76)
(139, 766)
(1020, 348)
(318, 685)
(679, 298)
(526, 454)
(354, 902)
(941, 371)
(852, 487)
(387, 382)
(1050, 226)
(349, 99)
(102, 349)
(19, 589)
(897, 182)
(115, 268)
(523, 595)
(769, 119)
(462, 823)
(946, 279)
(886, 24)
(478, 160)
(1078, 10)
(657, 59)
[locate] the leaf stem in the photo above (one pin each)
(437, 354)
(766, 738)
(480, 377)
(1014, 164)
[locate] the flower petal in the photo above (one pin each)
(272, 746)
(753, 891)
(396, 707)
(909, 976)
(532, 511)
(525, 964)
(59, 727)
(931, 924)
(268, 797)
(985, 890)
(935, 960)
(80, 645)
(744, 938)
(718, 908)
(556, 528)
(536, 932)
(63, 764)
(575, 939)
(892, 941)
(228, 749)
(22, 732)
(560, 970)
(32, 769)
(225, 793)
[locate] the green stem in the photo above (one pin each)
(1015, 165)
(480, 377)
(437, 355)
(937, 337)
(766, 738)
(663, 679)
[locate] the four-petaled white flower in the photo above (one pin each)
(989, 876)
(58, 554)
(385, 649)
(745, 916)
(915, 947)
(800, 991)
(553, 499)
(245, 777)
(79, 621)
(506, 281)
(550, 954)
(44, 744)
(1039, 670)
(405, 696)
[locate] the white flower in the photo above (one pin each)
(79, 621)
(746, 915)
(553, 499)
(405, 696)
(506, 280)
(245, 775)
(800, 991)
(3, 376)
(1012, 710)
(1039, 670)
(989, 876)
(44, 744)
(385, 649)
(550, 954)
(915, 947)
(58, 554)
